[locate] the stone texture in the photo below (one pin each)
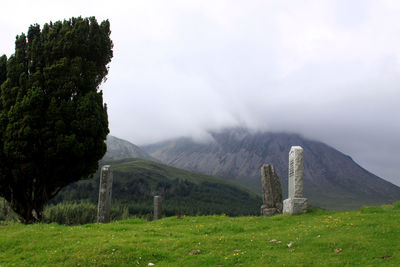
(296, 172)
(295, 204)
(157, 208)
(265, 211)
(272, 191)
(104, 204)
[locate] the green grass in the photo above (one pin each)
(366, 237)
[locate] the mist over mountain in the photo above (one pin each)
(331, 178)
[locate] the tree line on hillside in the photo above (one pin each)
(180, 197)
(77, 203)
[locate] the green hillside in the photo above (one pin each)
(366, 237)
(136, 181)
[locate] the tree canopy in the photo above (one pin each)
(53, 122)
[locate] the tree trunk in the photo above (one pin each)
(5, 208)
(28, 208)
(27, 214)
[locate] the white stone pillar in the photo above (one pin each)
(295, 203)
(296, 172)
(104, 204)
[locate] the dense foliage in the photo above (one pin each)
(79, 213)
(69, 213)
(53, 122)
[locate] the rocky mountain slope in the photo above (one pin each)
(331, 179)
(120, 149)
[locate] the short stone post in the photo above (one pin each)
(104, 204)
(296, 203)
(271, 191)
(157, 208)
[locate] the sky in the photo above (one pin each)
(326, 69)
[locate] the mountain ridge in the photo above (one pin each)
(118, 148)
(331, 178)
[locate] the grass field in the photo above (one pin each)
(366, 237)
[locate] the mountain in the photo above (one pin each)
(120, 149)
(331, 179)
(136, 181)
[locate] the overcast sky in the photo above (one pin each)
(329, 70)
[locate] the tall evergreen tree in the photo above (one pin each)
(3, 70)
(53, 122)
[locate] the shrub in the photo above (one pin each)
(80, 213)
(6, 213)
(70, 213)
(396, 205)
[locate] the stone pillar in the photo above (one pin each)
(296, 203)
(157, 208)
(104, 204)
(272, 191)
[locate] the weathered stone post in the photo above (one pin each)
(272, 191)
(104, 204)
(157, 207)
(296, 203)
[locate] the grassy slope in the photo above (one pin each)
(367, 237)
(144, 167)
(137, 180)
